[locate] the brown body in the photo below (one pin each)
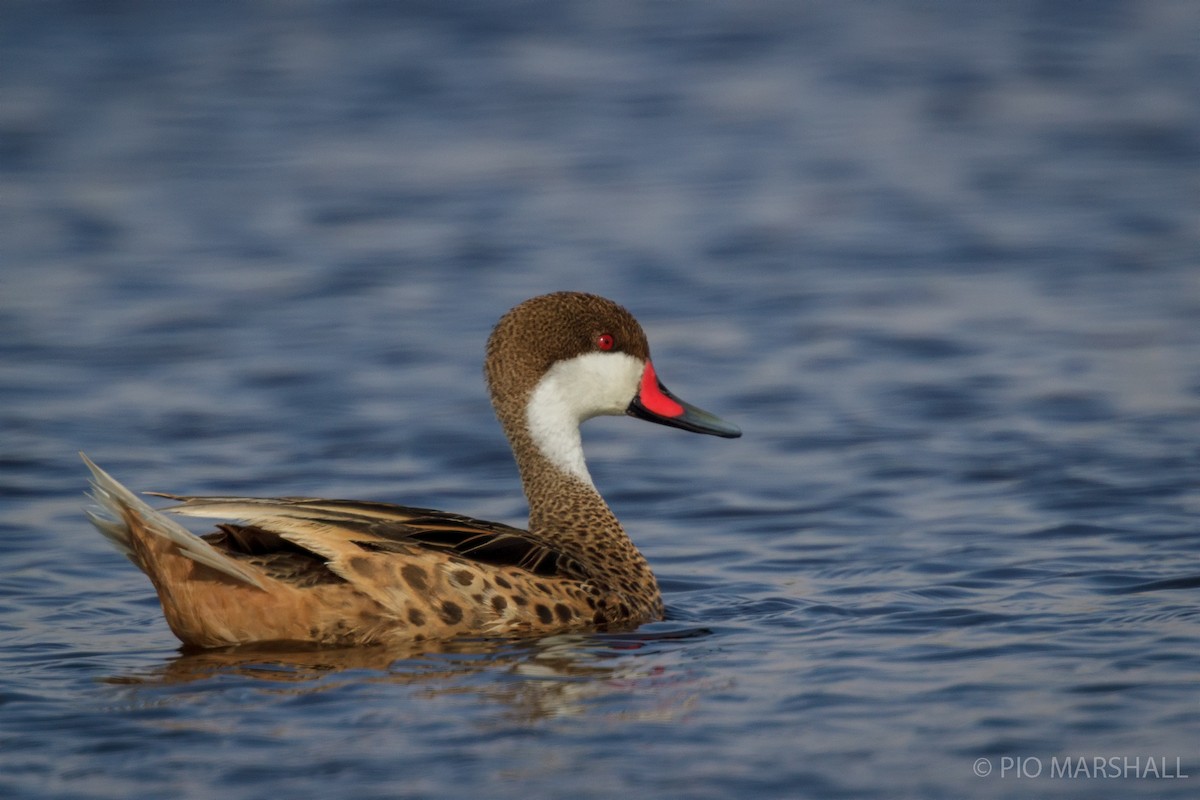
(338, 572)
(372, 573)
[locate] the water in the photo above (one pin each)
(940, 265)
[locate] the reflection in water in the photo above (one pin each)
(535, 679)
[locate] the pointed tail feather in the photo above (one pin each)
(114, 503)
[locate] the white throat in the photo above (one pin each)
(575, 389)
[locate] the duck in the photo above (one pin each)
(342, 573)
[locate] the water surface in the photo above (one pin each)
(939, 265)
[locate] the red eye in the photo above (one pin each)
(605, 341)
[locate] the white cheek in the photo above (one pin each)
(573, 390)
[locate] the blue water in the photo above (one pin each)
(940, 262)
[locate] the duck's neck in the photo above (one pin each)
(563, 502)
(566, 510)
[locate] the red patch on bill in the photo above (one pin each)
(652, 398)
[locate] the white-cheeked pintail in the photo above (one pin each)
(343, 572)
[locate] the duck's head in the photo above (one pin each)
(559, 359)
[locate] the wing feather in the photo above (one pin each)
(329, 528)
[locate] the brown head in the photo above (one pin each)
(558, 359)
(532, 336)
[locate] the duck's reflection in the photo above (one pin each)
(533, 679)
